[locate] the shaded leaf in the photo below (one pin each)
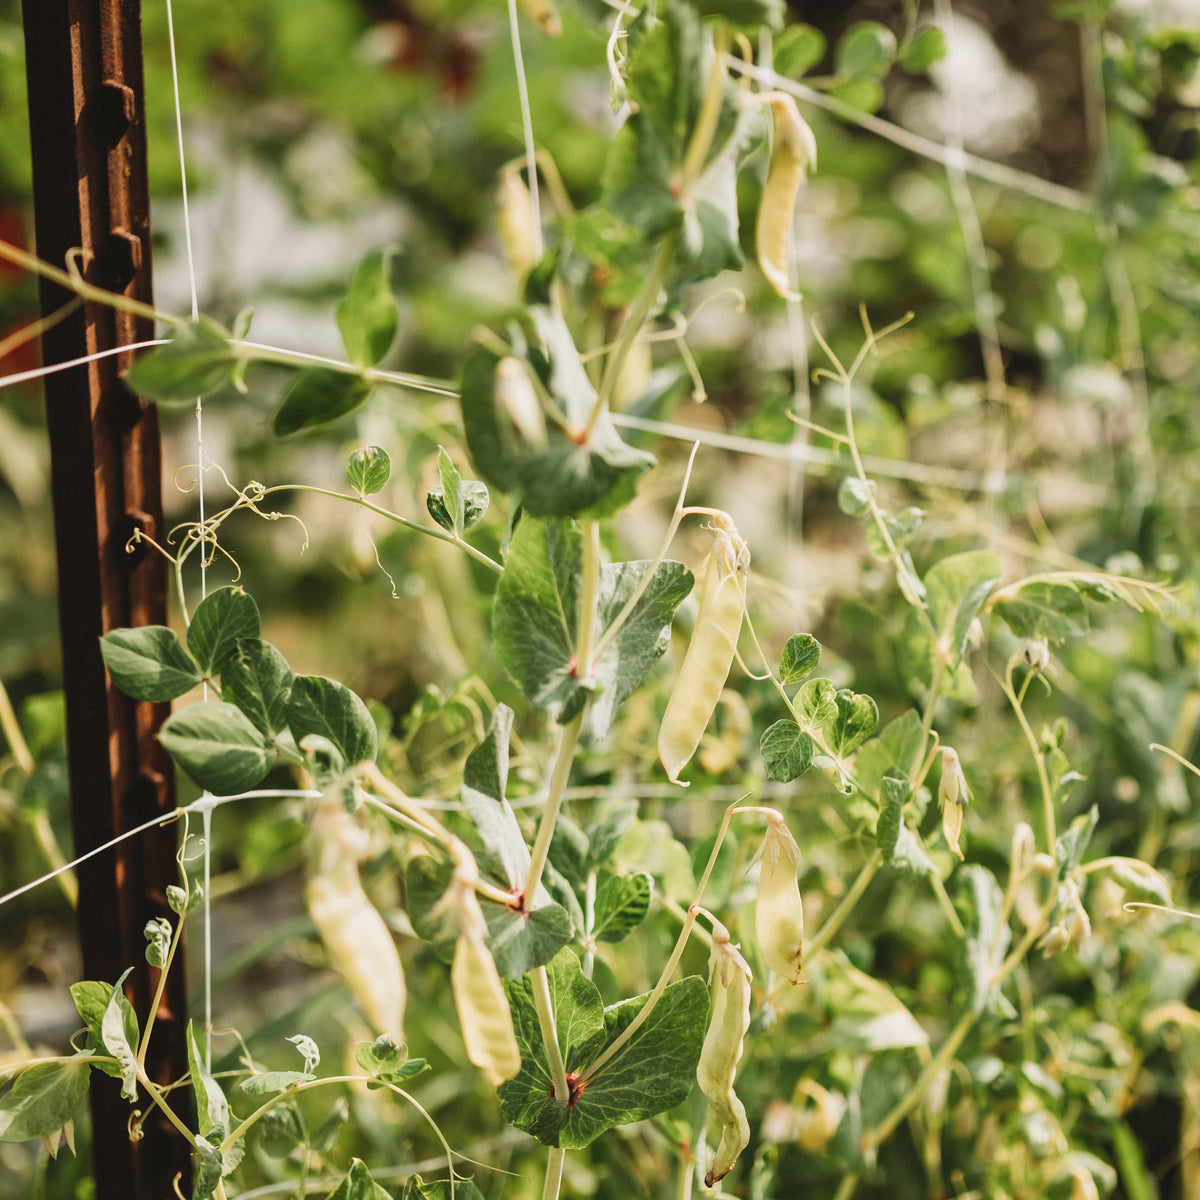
(195, 363)
(149, 663)
(367, 315)
(317, 396)
(218, 747)
(221, 620)
(621, 906)
(331, 710)
(256, 678)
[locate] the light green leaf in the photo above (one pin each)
(367, 315)
(149, 663)
(955, 589)
(266, 1083)
(317, 396)
(368, 470)
(801, 654)
(928, 47)
(158, 941)
(856, 718)
(787, 751)
(1141, 881)
(416, 1189)
(797, 50)
(895, 748)
(385, 1054)
(43, 1099)
(257, 679)
(456, 504)
(331, 710)
(865, 49)
(116, 1041)
(91, 999)
(195, 363)
(621, 906)
(212, 1108)
(899, 845)
(816, 702)
(218, 747)
(220, 621)
(1045, 609)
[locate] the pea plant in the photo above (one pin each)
(522, 912)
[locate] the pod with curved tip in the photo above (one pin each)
(710, 652)
(778, 911)
(482, 1006)
(729, 1019)
(794, 154)
(356, 938)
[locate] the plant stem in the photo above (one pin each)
(846, 905)
(11, 729)
(156, 1095)
(708, 117)
(554, 1169)
(846, 1187)
(545, 831)
(158, 994)
(298, 358)
(1043, 777)
(544, 1004)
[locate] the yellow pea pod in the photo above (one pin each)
(482, 1006)
(953, 797)
(728, 1021)
(779, 911)
(794, 154)
(514, 222)
(356, 938)
(710, 652)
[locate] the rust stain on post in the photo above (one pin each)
(87, 121)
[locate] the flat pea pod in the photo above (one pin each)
(482, 1006)
(356, 938)
(778, 910)
(729, 1019)
(710, 652)
(794, 153)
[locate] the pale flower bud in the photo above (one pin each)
(953, 795)
(729, 1019)
(1037, 653)
(975, 634)
(779, 912)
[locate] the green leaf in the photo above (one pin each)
(856, 718)
(43, 1099)
(928, 47)
(317, 396)
(865, 94)
(895, 749)
(158, 941)
(987, 939)
(257, 679)
(787, 751)
(1135, 1176)
(1141, 881)
(212, 1108)
(801, 654)
(368, 470)
(385, 1054)
(1045, 609)
(816, 702)
(866, 49)
(746, 13)
(899, 845)
(854, 497)
(604, 833)
(568, 475)
(221, 620)
(955, 589)
(536, 617)
(367, 316)
(621, 906)
(148, 663)
(195, 363)
(208, 1171)
(91, 999)
(267, 1083)
(327, 1131)
(1074, 840)
(116, 1039)
(456, 504)
(417, 1189)
(902, 528)
(652, 1072)
(330, 710)
(797, 50)
(281, 1129)
(218, 747)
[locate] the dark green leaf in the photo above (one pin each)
(899, 845)
(43, 1099)
(1045, 609)
(787, 751)
(415, 1188)
(955, 588)
(621, 906)
(148, 663)
(267, 1083)
(1130, 1160)
(456, 504)
(330, 710)
(317, 396)
(801, 654)
(196, 362)
(116, 1039)
(282, 1129)
(928, 47)
(368, 470)
(257, 679)
(209, 1169)
(218, 747)
(856, 718)
(797, 50)
(221, 620)
(866, 48)
(367, 315)
(327, 1131)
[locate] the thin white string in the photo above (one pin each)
(514, 31)
(203, 806)
(53, 368)
(191, 263)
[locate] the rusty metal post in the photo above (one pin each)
(87, 121)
